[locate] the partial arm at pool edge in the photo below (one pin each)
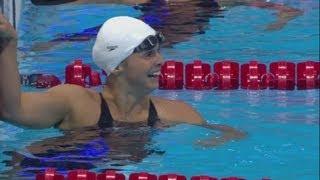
(181, 112)
(190, 115)
(227, 134)
(285, 13)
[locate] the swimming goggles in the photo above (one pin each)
(150, 43)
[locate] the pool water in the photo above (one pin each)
(282, 126)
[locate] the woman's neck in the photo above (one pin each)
(126, 99)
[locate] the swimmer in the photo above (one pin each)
(191, 16)
(131, 58)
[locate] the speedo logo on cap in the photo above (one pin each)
(111, 48)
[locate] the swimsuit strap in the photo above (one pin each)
(105, 119)
(153, 115)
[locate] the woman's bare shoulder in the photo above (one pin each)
(83, 105)
(75, 94)
(176, 111)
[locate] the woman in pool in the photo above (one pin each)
(131, 58)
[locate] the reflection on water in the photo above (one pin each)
(253, 98)
(178, 21)
(87, 148)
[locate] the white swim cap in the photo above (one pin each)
(117, 39)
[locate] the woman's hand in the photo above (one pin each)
(227, 134)
(7, 33)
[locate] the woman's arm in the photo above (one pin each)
(9, 79)
(179, 112)
(38, 110)
(227, 134)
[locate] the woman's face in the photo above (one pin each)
(142, 69)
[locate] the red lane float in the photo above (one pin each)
(142, 176)
(172, 177)
(47, 81)
(199, 76)
(49, 174)
(228, 75)
(284, 75)
(111, 175)
(308, 75)
(251, 76)
(171, 76)
(39, 80)
(79, 73)
(233, 178)
(94, 79)
(81, 174)
(203, 178)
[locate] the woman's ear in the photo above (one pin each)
(119, 69)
